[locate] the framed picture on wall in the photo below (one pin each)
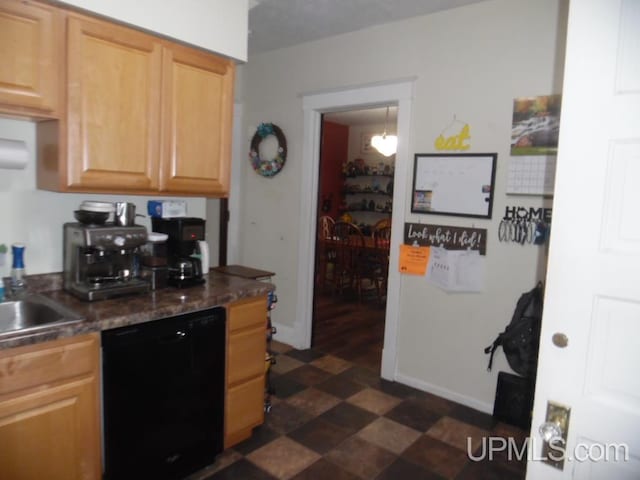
(536, 125)
(459, 184)
(365, 146)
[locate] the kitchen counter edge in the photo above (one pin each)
(218, 290)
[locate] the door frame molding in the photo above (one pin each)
(400, 93)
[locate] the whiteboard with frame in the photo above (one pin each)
(459, 184)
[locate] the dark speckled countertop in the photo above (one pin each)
(218, 289)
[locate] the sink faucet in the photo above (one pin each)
(10, 291)
(18, 288)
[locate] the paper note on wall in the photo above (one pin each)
(470, 272)
(439, 269)
(456, 270)
(413, 260)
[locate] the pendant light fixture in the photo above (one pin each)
(385, 144)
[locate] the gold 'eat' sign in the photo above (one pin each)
(454, 142)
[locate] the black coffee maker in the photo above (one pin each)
(185, 266)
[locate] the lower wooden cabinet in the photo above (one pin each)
(245, 410)
(50, 398)
(246, 350)
(49, 410)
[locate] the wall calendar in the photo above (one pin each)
(531, 175)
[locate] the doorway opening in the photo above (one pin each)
(314, 105)
(353, 217)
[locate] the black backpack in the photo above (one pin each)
(521, 339)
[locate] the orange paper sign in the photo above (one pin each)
(413, 260)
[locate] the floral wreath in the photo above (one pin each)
(268, 168)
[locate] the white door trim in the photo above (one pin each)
(400, 93)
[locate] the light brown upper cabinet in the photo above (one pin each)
(29, 59)
(113, 95)
(144, 116)
(197, 121)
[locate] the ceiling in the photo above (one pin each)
(275, 24)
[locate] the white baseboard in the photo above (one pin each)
(289, 335)
(445, 393)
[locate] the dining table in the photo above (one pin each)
(367, 243)
(355, 258)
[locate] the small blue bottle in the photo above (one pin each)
(18, 282)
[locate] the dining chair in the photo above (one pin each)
(364, 264)
(385, 222)
(348, 242)
(325, 226)
(382, 243)
(325, 251)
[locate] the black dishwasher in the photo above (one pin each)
(163, 396)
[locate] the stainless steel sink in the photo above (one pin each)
(33, 312)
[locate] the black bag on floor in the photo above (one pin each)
(521, 339)
(514, 400)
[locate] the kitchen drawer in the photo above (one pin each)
(244, 410)
(246, 351)
(46, 363)
(248, 313)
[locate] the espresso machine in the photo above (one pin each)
(185, 266)
(101, 261)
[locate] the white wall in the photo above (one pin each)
(212, 229)
(470, 62)
(355, 143)
(217, 25)
(238, 156)
(35, 217)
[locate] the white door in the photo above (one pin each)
(593, 281)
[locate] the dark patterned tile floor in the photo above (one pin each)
(335, 419)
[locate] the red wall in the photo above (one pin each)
(333, 154)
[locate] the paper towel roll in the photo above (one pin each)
(203, 247)
(13, 154)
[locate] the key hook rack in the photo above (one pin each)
(525, 225)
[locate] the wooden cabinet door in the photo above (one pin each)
(52, 433)
(197, 122)
(244, 410)
(113, 129)
(29, 58)
(49, 410)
